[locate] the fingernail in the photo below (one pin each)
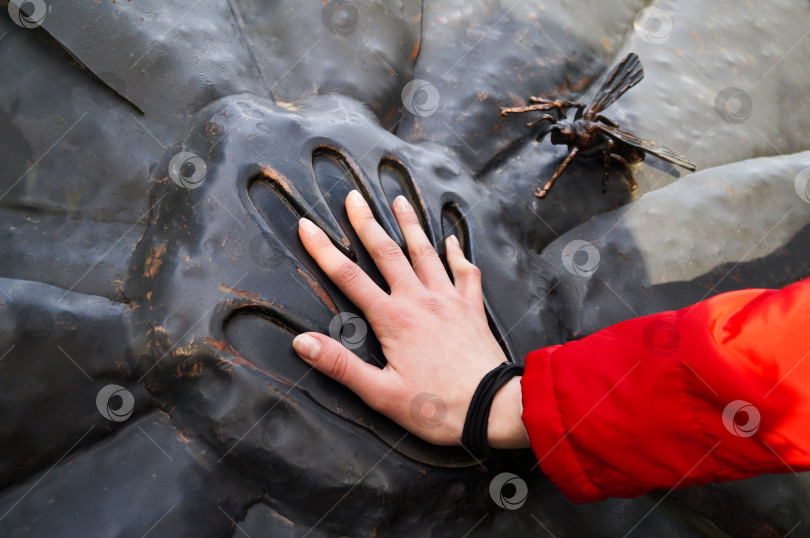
(355, 199)
(307, 346)
(453, 240)
(307, 226)
(401, 203)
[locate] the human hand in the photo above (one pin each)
(434, 333)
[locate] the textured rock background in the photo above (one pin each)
(112, 273)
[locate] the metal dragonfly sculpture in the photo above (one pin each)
(591, 133)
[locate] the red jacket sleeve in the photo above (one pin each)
(716, 391)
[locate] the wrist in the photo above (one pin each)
(505, 428)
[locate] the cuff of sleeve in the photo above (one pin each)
(548, 435)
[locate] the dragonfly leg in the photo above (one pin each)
(560, 105)
(633, 184)
(607, 121)
(576, 104)
(546, 117)
(541, 193)
(606, 153)
(529, 108)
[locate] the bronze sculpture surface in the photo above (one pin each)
(156, 157)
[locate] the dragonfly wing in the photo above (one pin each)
(648, 146)
(623, 77)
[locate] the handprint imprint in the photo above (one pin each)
(207, 304)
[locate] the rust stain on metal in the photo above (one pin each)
(189, 369)
(415, 51)
(319, 291)
(292, 107)
(392, 113)
(277, 177)
(219, 345)
(213, 129)
(153, 259)
(222, 346)
(156, 335)
(238, 293)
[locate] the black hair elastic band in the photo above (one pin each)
(474, 435)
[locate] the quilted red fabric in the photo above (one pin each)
(716, 391)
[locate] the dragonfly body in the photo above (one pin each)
(587, 136)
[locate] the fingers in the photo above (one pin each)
(387, 255)
(425, 260)
(334, 360)
(348, 276)
(467, 277)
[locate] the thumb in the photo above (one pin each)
(333, 359)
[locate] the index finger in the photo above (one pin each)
(349, 277)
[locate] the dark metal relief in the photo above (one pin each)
(156, 159)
